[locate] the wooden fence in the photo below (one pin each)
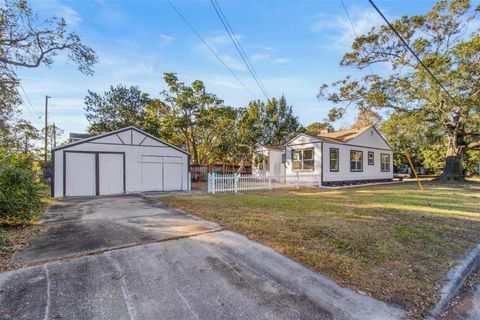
(200, 172)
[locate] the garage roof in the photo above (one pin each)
(116, 132)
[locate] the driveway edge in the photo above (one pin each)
(456, 278)
(100, 251)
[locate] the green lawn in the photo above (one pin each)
(389, 241)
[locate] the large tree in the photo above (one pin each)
(26, 42)
(279, 122)
(119, 107)
(186, 115)
(317, 128)
(444, 40)
(23, 137)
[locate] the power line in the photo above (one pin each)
(414, 54)
(238, 46)
(209, 47)
(32, 110)
(353, 27)
(29, 104)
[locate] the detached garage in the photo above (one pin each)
(123, 161)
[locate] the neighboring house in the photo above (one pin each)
(342, 157)
(269, 161)
(74, 137)
(121, 161)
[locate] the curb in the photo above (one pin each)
(456, 278)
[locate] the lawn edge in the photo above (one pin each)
(456, 279)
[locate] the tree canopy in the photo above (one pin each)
(27, 42)
(444, 40)
(191, 117)
(117, 108)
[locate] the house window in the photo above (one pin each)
(284, 158)
(262, 161)
(371, 158)
(385, 162)
(302, 160)
(333, 159)
(356, 161)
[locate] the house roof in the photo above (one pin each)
(343, 135)
(74, 135)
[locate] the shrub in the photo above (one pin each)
(20, 201)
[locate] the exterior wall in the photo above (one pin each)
(304, 142)
(133, 157)
(370, 138)
(322, 158)
(276, 167)
(370, 172)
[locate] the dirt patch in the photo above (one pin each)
(461, 306)
(13, 239)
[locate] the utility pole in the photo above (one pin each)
(54, 135)
(46, 129)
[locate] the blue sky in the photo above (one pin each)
(295, 46)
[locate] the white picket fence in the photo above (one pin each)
(236, 182)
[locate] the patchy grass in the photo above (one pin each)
(389, 241)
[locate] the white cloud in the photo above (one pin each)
(223, 47)
(138, 70)
(59, 10)
(260, 56)
(71, 16)
(338, 27)
(165, 39)
(282, 60)
(110, 14)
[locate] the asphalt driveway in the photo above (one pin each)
(80, 226)
(125, 258)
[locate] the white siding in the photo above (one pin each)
(126, 136)
(370, 138)
(108, 139)
(370, 172)
(138, 137)
(133, 160)
(365, 142)
(277, 168)
(304, 142)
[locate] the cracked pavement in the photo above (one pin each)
(128, 258)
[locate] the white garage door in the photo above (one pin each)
(173, 175)
(79, 174)
(110, 170)
(162, 173)
(90, 173)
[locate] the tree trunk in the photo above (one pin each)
(453, 170)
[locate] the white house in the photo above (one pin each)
(121, 161)
(335, 158)
(268, 161)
